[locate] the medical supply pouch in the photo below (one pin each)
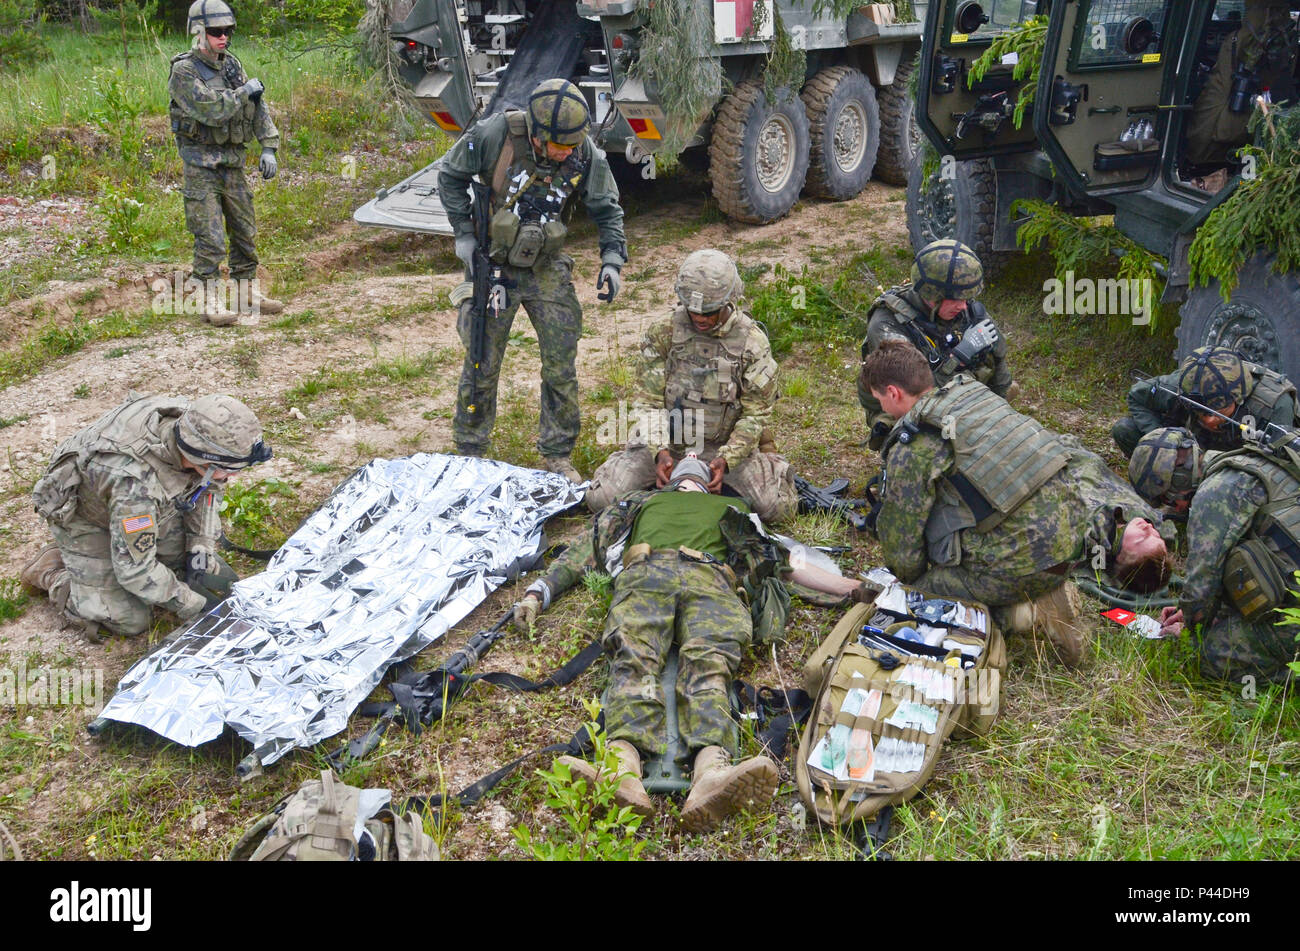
(892, 682)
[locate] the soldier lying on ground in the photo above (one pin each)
(982, 503)
(667, 554)
(939, 315)
(707, 384)
(1215, 377)
(133, 501)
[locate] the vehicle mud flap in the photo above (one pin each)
(550, 48)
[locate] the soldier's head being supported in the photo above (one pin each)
(210, 22)
(899, 375)
(1214, 377)
(218, 436)
(558, 119)
(708, 286)
(1166, 467)
(947, 274)
(690, 475)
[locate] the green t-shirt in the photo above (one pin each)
(684, 520)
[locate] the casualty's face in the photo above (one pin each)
(1141, 541)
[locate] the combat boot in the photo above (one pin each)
(630, 792)
(1056, 613)
(562, 465)
(40, 573)
(215, 310)
(719, 789)
(1016, 618)
(259, 303)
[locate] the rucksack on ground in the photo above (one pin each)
(885, 704)
(326, 820)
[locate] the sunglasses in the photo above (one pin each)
(219, 31)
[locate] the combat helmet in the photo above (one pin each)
(947, 270)
(1214, 376)
(557, 113)
(1154, 469)
(221, 431)
(708, 280)
(206, 13)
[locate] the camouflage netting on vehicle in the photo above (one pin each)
(1027, 41)
(678, 66)
(375, 48)
(1263, 213)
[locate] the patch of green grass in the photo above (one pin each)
(7, 421)
(52, 341)
(13, 599)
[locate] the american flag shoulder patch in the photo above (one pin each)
(137, 523)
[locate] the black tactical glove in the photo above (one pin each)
(879, 433)
(975, 342)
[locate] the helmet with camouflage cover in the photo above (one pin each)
(206, 13)
(947, 270)
(221, 431)
(707, 280)
(1214, 376)
(1155, 470)
(558, 113)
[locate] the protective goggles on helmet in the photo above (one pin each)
(260, 452)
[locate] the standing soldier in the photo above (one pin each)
(708, 383)
(938, 314)
(537, 163)
(215, 111)
(134, 502)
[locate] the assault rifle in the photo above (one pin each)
(813, 499)
(1273, 437)
(489, 297)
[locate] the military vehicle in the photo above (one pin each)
(1113, 132)
(466, 59)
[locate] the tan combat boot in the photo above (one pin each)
(40, 573)
(630, 792)
(1056, 613)
(259, 303)
(562, 465)
(719, 789)
(1017, 618)
(215, 310)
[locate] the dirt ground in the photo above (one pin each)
(342, 316)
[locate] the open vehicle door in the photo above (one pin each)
(971, 121)
(1098, 111)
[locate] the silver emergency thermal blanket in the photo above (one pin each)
(398, 554)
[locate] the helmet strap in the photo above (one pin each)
(188, 505)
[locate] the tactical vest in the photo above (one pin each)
(1270, 387)
(704, 374)
(1001, 457)
(933, 339)
(137, 429)
(238, 129)
(1274, 535)
(531, 206)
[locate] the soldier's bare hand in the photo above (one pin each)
(663, 468)
(1171, 621)
(719, 469)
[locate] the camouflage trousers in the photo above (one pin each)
(978, 583)
(657, 603)
(92, 590)
(764, 480)
(1233, 648)
(218, 202)
(1126, 433)
(546, 292)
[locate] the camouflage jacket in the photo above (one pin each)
(725, 379)
(124, 474)
(1153, 407)
(900, 313)
(475, 154)
(202, 93)
(1223, 509)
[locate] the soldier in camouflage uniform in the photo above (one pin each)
(1242, 501)
(1166, 467)
(980, 502)
(133, 502)
(667, 555)
(707, 384)
(538, 163)
(216, 110)
(1215, 377)
(938, 314)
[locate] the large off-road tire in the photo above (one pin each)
(900, 136)
(758, 158)
(960, 207)
(843, 132)
(1261, 321)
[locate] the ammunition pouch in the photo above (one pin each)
(1252, 581)
(520, 243)
(55, 493)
